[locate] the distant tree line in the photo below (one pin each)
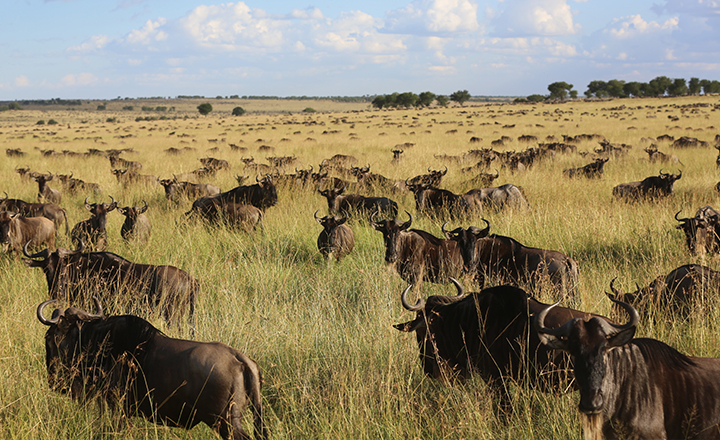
(54, 101)
(424, 99)
(614, 88)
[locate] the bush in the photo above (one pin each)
(309, 110)
(238, 111)
(129, 108)
(14, 106)
(101, 107)
(205, 108)
(52, 122)
(111, 120)
(40, 122)
(536, 98)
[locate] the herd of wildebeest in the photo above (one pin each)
(637, 387)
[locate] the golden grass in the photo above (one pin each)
(333, 366)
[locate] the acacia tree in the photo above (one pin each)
(560, 90)
(238, 111)
(461, 96)
(426, 98)
(205, 108)
(442, 100)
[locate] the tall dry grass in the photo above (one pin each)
(333, 366)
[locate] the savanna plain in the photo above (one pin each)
(333, 365)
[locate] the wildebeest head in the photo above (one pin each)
(99, 211)
(133, 212)
(55, 266)
(666, 182)
(423, 323)
(269, 195)
(62, 346)
(5, 218)
(467, 240)
(587, 340)
(330, 222)
(391, 230)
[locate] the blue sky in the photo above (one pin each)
(101, 49)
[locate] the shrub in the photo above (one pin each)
(52, 122)
(309, 110)
(40, 122)
(238, 111)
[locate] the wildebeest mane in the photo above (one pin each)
(435, 241)
(657, 353)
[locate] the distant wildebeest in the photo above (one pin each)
(45, 193)
(689, 142)
(504, 259)
(418, 255)
(678, 290)
(635, 388)
(487, 333)
(14, 152)
(136, 225)
(507, 195)
(24, 173)
(336, 238)
(50, 211)
(126, 363)
(592, 170)
(368, 180)
(175, 190)
(441, 203)
(702, 232)
(93, 230)
(397, 156)
(73, 185)
(653, 187)
(72, 275)
(118, 162)
(126, 177)
(16, 231)
(338, 160)
(482, 180)
(339, 203)
(655, 156)
(214, 164)
(258, 168)
(432, 178)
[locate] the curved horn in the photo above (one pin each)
(256, 178)
(442, 228)
(632, 322)
(42, 317)
(42, 254)
(419, 305)
(144, 208)
(446, 170)
(98, 306)
(429, 171)
(372, 216)
(663, 174)
(87, 205)
(486, 231)
(318, 219)
(683, 220)
(461, 291)
(557, 332)
(6, 196)
(616, 292)
(409, 222)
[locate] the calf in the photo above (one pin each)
(92, 231)
(17, 231)
(136, 225)
(336, 238)
(45, 193)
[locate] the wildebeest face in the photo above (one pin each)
(5, 219)
(99, 211)
(330, 222)
(391, 230)
(467, 241)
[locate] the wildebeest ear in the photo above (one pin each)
(621, 338)
(378, 226)
(340, 220)
(410, 326)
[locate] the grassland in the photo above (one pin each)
(333, 366)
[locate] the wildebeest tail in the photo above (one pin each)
(573, 273)
(67, 227)
(253, 388)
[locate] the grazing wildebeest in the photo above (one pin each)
(487, 333)
(338, 160)
(592, 170)
(482, 180)
(14, 152)
(336, 238)
(436, 202)
(677, 290)
(433, 178)
(702, 232)
(175, 190)
(339, 203)
(24, 173)
(73, 185)
(118, 162)
(418, 255)
(689, 142)
(45, 193)
(93, 230)
(261, 195)
(636, 388)
(504, 259)
(136, 225)
(214, 164)
(73, 274)
(50, 211)
(125, 362)
(16, 231)
(126, 177)
(652, 187)
(657, 156)
(496, 198)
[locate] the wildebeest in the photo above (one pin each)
(261, 195)
(678, 290)
(16, 231)
(339, 203)
(73, 275)
(482, 180)
(127, 177)
(45, 193)
(504, 259)
(50, 211)
(592, 170)
(14, 152)
(507, 195)
(652, 187)
(127, 363)
(118, 162)
(214, 164)
(636, 388)
(487, 333)
(418, 255)
(657, 156)
(174, 189)
(136, 225)
(336, 238)
(689, 142)
(702, 232)
(432, 178)
(24, 173)
(436, 202)
(73, 185)
(93, 230)
(342, 160)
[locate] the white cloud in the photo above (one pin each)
(96, 42)
(536, 17)
(628, 27)
(422, 17)
(81, 79)
(149, 33)
(22, 81)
